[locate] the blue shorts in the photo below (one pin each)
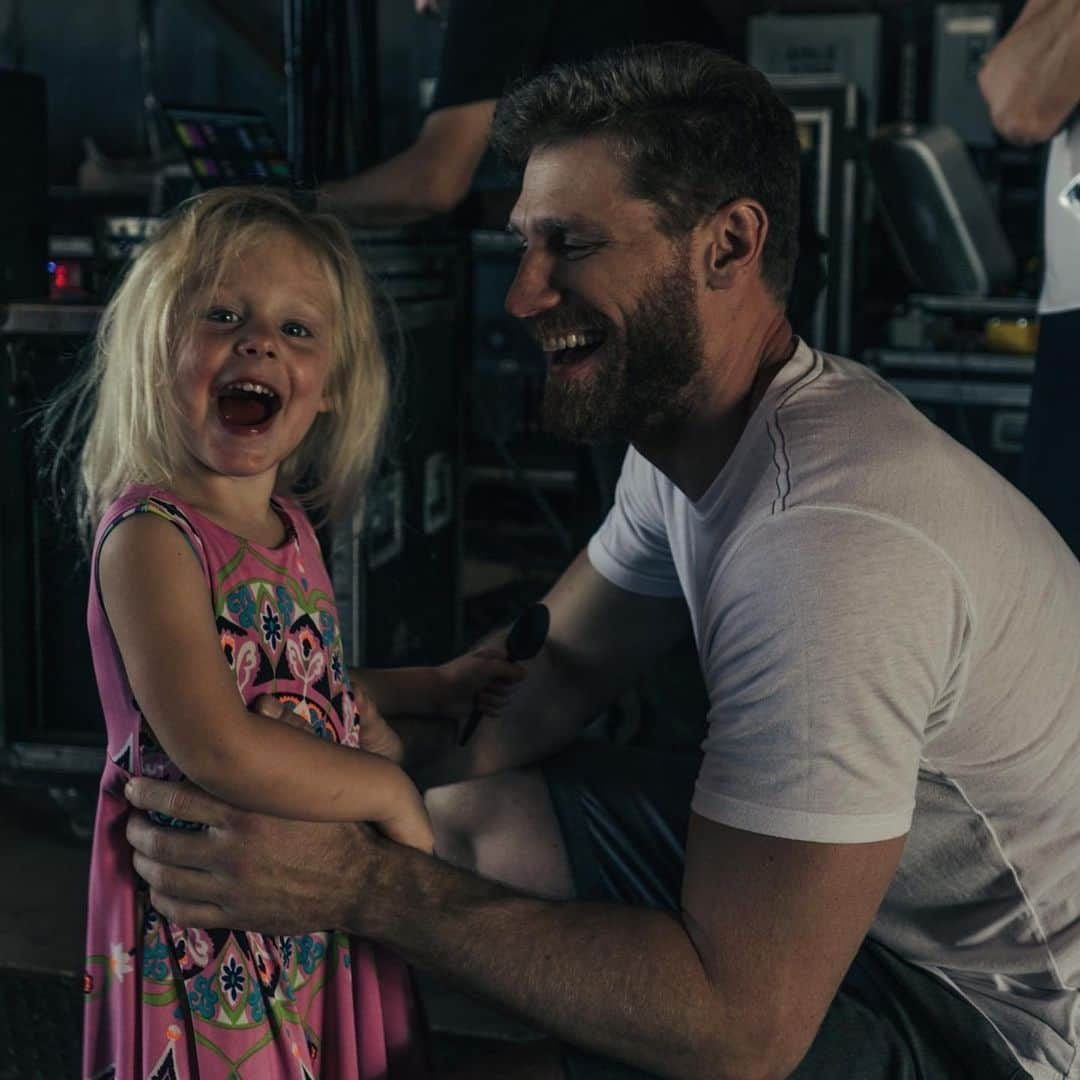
(624, 814)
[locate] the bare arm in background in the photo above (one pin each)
(1031, 78)
(430, 177)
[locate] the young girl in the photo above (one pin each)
(238, 356)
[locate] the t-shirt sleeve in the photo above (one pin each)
(631, 547)
(834, 641)
(488, 45)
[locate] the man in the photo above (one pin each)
(1031, 81)
(487, 45)
(886, 628)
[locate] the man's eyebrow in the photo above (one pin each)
(555, 226)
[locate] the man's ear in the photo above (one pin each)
(735, 239)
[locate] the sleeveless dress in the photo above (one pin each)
(172, 1003)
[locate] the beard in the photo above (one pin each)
(642, 374)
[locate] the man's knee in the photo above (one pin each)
(502, 827)
(458, 813)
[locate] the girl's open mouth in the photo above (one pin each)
(247, 406)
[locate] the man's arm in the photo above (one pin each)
(1031, 78)
(430, 177)
(735, 985)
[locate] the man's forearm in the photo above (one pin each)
(1031, 79)
(398, 191)
(620, 982)
(429, 177)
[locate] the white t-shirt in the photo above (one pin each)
(890, 637)
(1061, 227)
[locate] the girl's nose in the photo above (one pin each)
(532, 291)
(255, 341)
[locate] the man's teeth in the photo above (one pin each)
(570, 341)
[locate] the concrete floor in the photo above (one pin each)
(43, 883)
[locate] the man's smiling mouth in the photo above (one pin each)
(567, 348)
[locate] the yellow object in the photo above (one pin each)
(1012, 335)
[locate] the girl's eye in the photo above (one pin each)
(295, 329)
(224, 315)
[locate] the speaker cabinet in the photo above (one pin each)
(24, 219)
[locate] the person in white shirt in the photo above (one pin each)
(1031, 82)
(873, 868)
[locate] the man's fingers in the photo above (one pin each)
(267, 705)
(176, 800)
(185, 895)
(191, 915)
(273, 709)
(171, 847)
(179, 882)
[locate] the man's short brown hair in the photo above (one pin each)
(695, 129)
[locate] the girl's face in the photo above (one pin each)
(252, 372)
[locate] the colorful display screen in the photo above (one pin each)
(227, 147)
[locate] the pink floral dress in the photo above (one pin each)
(163, 1001)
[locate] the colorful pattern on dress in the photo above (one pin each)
(168, 1001)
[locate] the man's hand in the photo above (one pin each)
(245, 871)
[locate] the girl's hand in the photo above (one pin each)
(409, 823)
(376, 736)
(484, 679)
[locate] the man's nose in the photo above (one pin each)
(532, 291)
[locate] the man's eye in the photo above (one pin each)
(575, 250)
(295, 329)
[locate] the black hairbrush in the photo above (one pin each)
(525, 640)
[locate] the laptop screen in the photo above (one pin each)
(229, 146)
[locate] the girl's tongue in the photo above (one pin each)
(242, 407)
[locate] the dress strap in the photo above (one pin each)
(143, 500)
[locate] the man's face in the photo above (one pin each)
(611, 300)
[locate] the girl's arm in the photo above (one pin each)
(448, 690)
(158, 606)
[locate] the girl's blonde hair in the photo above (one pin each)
(134, 426)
